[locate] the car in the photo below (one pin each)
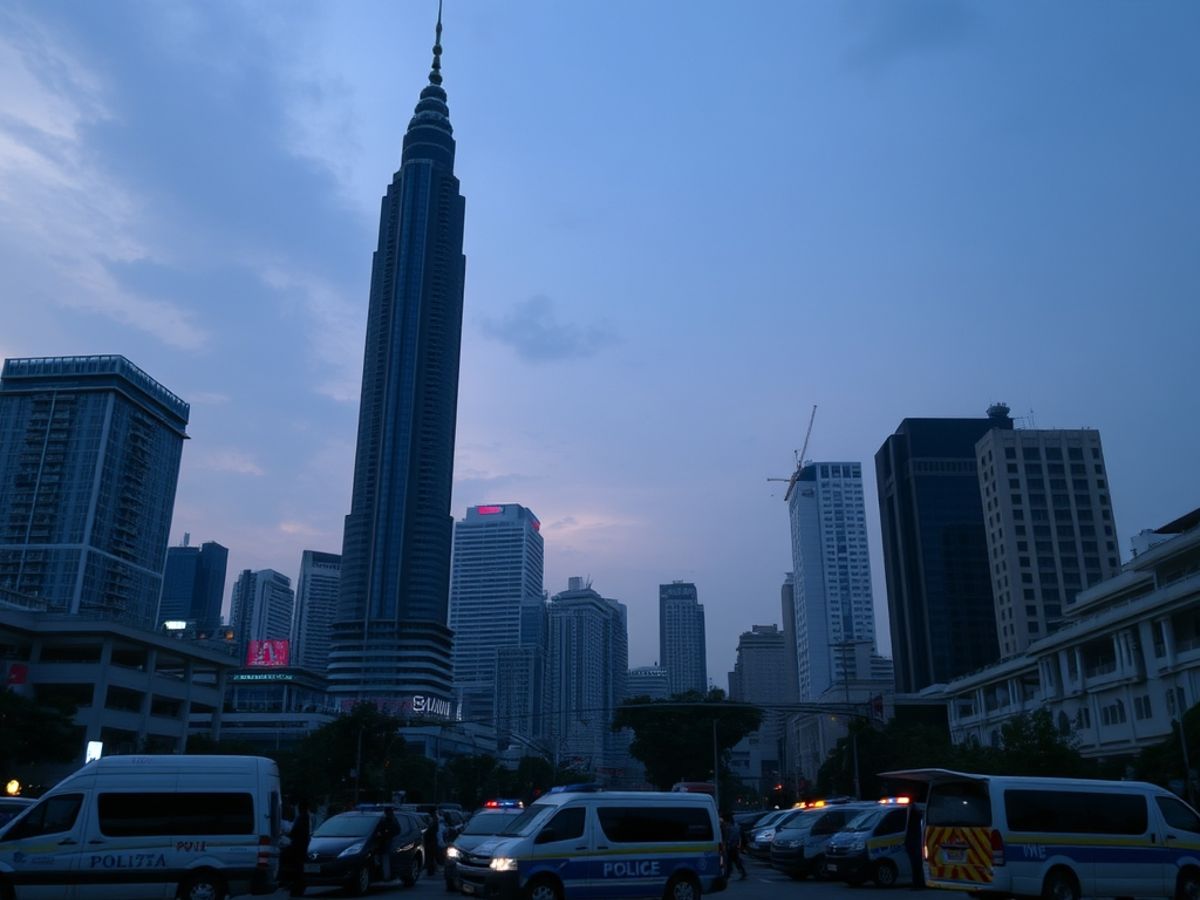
(486, 823)
(762, 832)
(347, 850)
(798, 847)
(745, 821)
(11, 807)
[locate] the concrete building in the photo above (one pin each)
(681, 644)
(272, 708)
(89, 459)
(316, 603)
(1121, 667)
(787, 601)
(758, 671)
(194, 587)
(648, 681)
(935, 552)
(495, 589)
(832, 581)
(262, 608)
(1050, 526)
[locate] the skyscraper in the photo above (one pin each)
(391, 640)
(832, 580)
(316, 602)
(496, 575)
(261, 609)
(935, 552)
(1049, 524)
(194, 586)
(787, 603)
(681, 645)
(757, 675)
(89, 460)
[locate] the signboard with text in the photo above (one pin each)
(268, 653)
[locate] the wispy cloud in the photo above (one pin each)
(299, 529)
(235, 462)
(532, 328)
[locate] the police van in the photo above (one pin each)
(134, 827)
(871, 846)
(602, 845)
(1059, 838)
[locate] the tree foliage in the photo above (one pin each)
(33, 733)
(674, 738)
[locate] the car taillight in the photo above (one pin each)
(997, 848)
(264, 855)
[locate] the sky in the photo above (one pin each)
(687, 223)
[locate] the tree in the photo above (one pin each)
(674, 738)
(880, 750)
(1030, 744)
(33, 733)
(359, 753)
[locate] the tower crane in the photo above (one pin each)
(791, 482)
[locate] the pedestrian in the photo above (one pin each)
(431, 847)
(300, 836)
(389, 831)
(731, 835)
(914, 839)
(443, 836)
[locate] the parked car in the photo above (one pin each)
(11, 807)
(747, 820)
(798, 848)
(762, 832)
(349, 850)
(484, 824)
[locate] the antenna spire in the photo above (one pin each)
(435, 74)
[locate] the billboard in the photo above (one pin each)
(268, 653)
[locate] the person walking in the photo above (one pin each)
(914, 838)
(732, 837)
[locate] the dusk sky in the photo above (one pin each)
(687, 223)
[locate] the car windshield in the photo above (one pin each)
(348, 825)
(864, 821)
(528, 821)
(489, 822)
(771, 818)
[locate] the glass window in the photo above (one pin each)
(128, 815)
(566, 825)
(1178, 814)
(1075, 812)
(894, 822)
(961, 803)
(654, 824)
(54, 815)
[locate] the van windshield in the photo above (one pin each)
(529, 821)
(965, 804)
(864, 821)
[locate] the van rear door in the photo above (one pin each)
(958, 832)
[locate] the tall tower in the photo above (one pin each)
(261, 608)
(194, 586)
(681, 637)
(316, 601)
(89, 460)
(832, 581)
(935, 553)
(496, 576)
(787, 602)
(390, 638)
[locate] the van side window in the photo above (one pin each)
(1178, 814)
(566, 825)
(894, 822)
(129, 815)
(52, 816)
(655, 824)
(1075, 812)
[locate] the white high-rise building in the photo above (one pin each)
(681, 645)
(262, 608)
(647, 681)
(497, 601)
(316, 603)
(587, 667)
(832, 571)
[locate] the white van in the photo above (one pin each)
(1060, 838)
(134, 827)
(602, 845)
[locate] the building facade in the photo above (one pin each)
(791, 670)
(832, 570)
(391, 641)
(1050, 526)
(194, 586)
(935, 553)
(89, 459)
(261, 609)
(759, 667)
(681, 645)
(316, 604)
(648, 681)
(495, 586)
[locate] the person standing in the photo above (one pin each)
(300, 836)
(914, 839)
(731, 835)
(431, 845)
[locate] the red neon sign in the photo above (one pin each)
(489, 510)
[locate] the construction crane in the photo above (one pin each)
(791, 482)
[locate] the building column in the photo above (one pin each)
(100, 693)
(222, 674)
(1168, 628)
(189, 671)
(147, 697)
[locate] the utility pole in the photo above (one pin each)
(358, 764)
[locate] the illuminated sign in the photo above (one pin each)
(174, 625)
(417, 705)
(262, 676)
(95, 749)
(268, 653)
(489, 510)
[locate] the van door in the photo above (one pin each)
(562, 848)
(44, 849)
(1182, 837)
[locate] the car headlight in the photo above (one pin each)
(352, 850)
(765, 835)
(856, 846)
(452, 853)
(503, 864)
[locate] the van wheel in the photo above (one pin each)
(415, 865)
(1188, 886)
(543, 889)
(682, 887)
(1060, 884)
(885, 873)
(203, 886)
(361, 882)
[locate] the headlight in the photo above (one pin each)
(765, 835)
(503, 864)
(856, 846)
(352, 850)
(452, 853)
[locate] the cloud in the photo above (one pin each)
(533, 330)
(894, 31)
(207, 398)
(299, 529)
(234, 462)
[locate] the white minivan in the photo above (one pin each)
(134, 827)
(1058, 838)
(602, 845)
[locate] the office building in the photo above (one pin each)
(496, 576)
(832, 570)
(935, 553)
(787, 603)
(1049, 525)
(647, 681)
(89, 459)
(261, 610)
(586, 669)
(681, 638)
(194, 586)
(391, 642)
(316, 603)
(758, 669)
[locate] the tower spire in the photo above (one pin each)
(435, 74)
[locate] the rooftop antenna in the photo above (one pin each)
(435, 74)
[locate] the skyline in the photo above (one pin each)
(820, 218)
